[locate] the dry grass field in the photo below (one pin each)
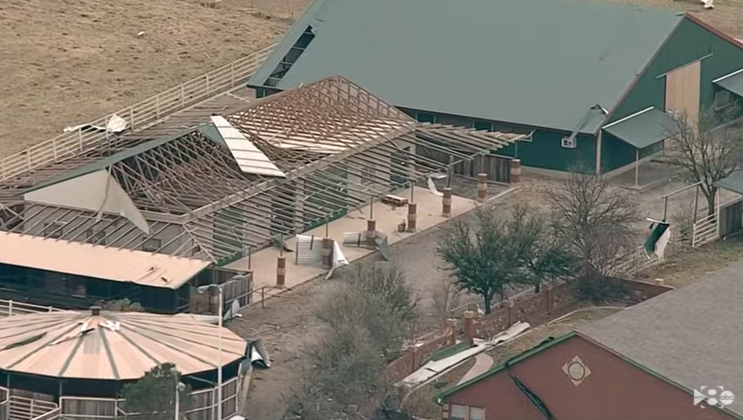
(67, 62)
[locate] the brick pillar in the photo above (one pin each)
(327, 252)
(452, 325)
(549, 296)
(469, 327)
(446, 212)
(515, 171)
(371, 234)
(412, 208)
(281, 271)
(482, 187)
(413, 359)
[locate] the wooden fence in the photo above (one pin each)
(139, 116)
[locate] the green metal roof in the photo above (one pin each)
(105, 162)
(732, 183)
(488, 59)
(732, 82)
(643, 129)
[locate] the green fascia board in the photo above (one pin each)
(308, 18)
(105, 162)
(583, 54)
(529, 353)
(732, 82)
(643, 129)
(732, 183)
(501, 367)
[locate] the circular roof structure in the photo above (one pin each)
(111, 345)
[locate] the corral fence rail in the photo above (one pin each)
(138, 116)
(12, 307)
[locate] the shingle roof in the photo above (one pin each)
(692, 336)
(534, 62)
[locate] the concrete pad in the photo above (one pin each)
(387, 218)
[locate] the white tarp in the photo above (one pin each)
(114, 124)
(97, 191)
(339, 260)
(250, 159)
(432, 186)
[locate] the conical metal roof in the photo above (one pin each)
(111, 345)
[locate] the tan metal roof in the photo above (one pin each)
(112, 346)
(81, 259)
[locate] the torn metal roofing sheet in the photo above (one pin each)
(112, 345)
(97, 191)
(246, 154)
(100, 262)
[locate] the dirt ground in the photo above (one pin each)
(67, 62)
(685, 267)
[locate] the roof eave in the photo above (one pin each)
(643, 71)
(501, 367)
(288, 39)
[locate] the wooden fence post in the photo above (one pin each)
(549, 297)
(509, 313)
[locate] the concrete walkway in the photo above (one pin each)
(483, 362)
(263, 263)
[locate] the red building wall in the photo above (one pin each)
(614, 389)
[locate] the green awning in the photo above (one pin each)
(643, 129)
(732, 183)
(732, 82)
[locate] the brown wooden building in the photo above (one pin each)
(643, 363)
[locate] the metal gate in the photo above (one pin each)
(728, 218)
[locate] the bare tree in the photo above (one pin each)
(370, 317)
(445, 298)
(594, 221)
(708, 150)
